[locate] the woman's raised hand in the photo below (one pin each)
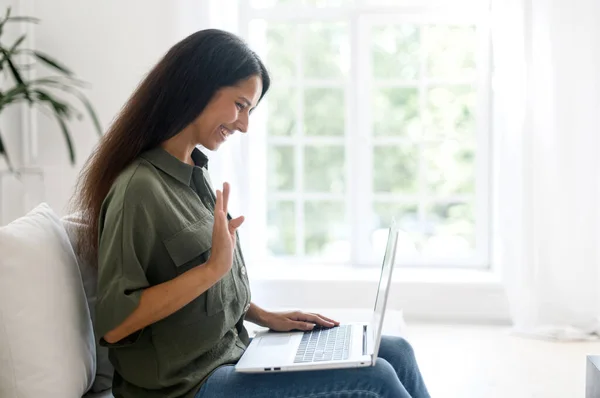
(223, 236)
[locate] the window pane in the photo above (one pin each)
(450, 51)
(281, 228)
(324, 169)
(395, 169)
(451, 112)
(281, 168)
(324, 111)
(450, 168)
(407, 217)
(327, 232)
(450, 230)
(326, 50)
(396, 52)
(396, 112)
(280, 50)
(282, 104)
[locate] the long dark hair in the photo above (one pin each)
(172, 95)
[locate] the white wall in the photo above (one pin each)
(111, 44)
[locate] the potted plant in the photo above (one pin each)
(39, 92)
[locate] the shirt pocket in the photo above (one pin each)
(189, 248)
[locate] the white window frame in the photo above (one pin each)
(360, 17)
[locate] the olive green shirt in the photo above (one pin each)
(155, 224)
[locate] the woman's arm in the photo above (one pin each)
(160, 301)
(257, 315)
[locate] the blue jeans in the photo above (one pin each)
(395, 375)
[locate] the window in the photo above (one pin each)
(376, 111)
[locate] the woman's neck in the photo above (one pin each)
(181, 147)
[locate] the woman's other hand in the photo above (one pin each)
(223, 237)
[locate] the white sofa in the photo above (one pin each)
(47, 294)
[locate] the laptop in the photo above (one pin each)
(345, 346)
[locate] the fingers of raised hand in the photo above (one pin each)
(235, 223)
(226, 189)
(219, 201)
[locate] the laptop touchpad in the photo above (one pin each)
(274, 340)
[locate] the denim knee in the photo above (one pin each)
(385, 378)
(399, 352)
(405, 348)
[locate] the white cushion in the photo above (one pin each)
(46, 339)
(75, 225)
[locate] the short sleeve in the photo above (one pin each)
(125, 239)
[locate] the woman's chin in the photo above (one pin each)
(212, 146)
(213, 142)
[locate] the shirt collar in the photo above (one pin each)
(177, 169)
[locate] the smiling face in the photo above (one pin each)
(227, 112)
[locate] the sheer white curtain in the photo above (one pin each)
(547, 85)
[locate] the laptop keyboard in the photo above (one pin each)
(330, 344)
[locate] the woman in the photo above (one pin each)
(172, 286)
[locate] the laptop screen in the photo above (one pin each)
(384, 284)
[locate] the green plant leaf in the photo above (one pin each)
(57, 83)
(15, 72)
(8, 18)
(41, 92)
(61, 112)
(63, 108)
(52, 62)
(4, 152)
(13, 95)
(66, 134)
(58, 109)
(11, 66)
(24, 19)
(90, 109)
(88, 106)
(17, 44)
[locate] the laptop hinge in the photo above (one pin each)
(365, 342)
